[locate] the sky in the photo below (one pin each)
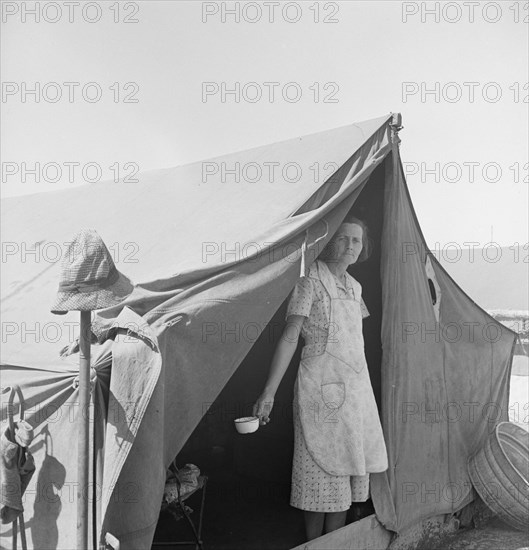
(458, 73)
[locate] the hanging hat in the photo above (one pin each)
(89, 278)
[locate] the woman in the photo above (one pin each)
(338, 438)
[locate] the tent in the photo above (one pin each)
(216, 247)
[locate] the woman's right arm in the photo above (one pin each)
(280, 361)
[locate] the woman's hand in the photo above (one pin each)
(263, 408)
(282, 357)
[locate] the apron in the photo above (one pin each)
(334, 396)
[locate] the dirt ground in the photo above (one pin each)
(495, 536)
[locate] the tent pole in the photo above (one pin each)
(83, 423)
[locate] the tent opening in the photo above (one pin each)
(432, 291)
(248, 492)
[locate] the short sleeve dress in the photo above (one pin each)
(313, 489)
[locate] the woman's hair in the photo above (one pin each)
(367, 245)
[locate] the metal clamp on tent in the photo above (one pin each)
(396, 121)
(93, 377)
(396, 126)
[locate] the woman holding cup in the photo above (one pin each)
(338, 439)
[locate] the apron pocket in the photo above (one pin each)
(333, 394)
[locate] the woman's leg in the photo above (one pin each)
(360, 494)
(334, 520)
(313, 524)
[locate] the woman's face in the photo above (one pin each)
(346, 245)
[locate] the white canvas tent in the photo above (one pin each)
(207, 252)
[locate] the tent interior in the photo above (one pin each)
(247, 496)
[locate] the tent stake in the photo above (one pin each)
(83, 423)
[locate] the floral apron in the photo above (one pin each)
(334, 396)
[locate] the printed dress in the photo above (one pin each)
(313, 487)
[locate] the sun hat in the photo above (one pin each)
(89, 279)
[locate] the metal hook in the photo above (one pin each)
(15, 388)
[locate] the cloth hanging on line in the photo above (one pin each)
(16, 469)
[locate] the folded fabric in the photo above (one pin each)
(185, 482)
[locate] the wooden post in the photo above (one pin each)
(83, 423)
